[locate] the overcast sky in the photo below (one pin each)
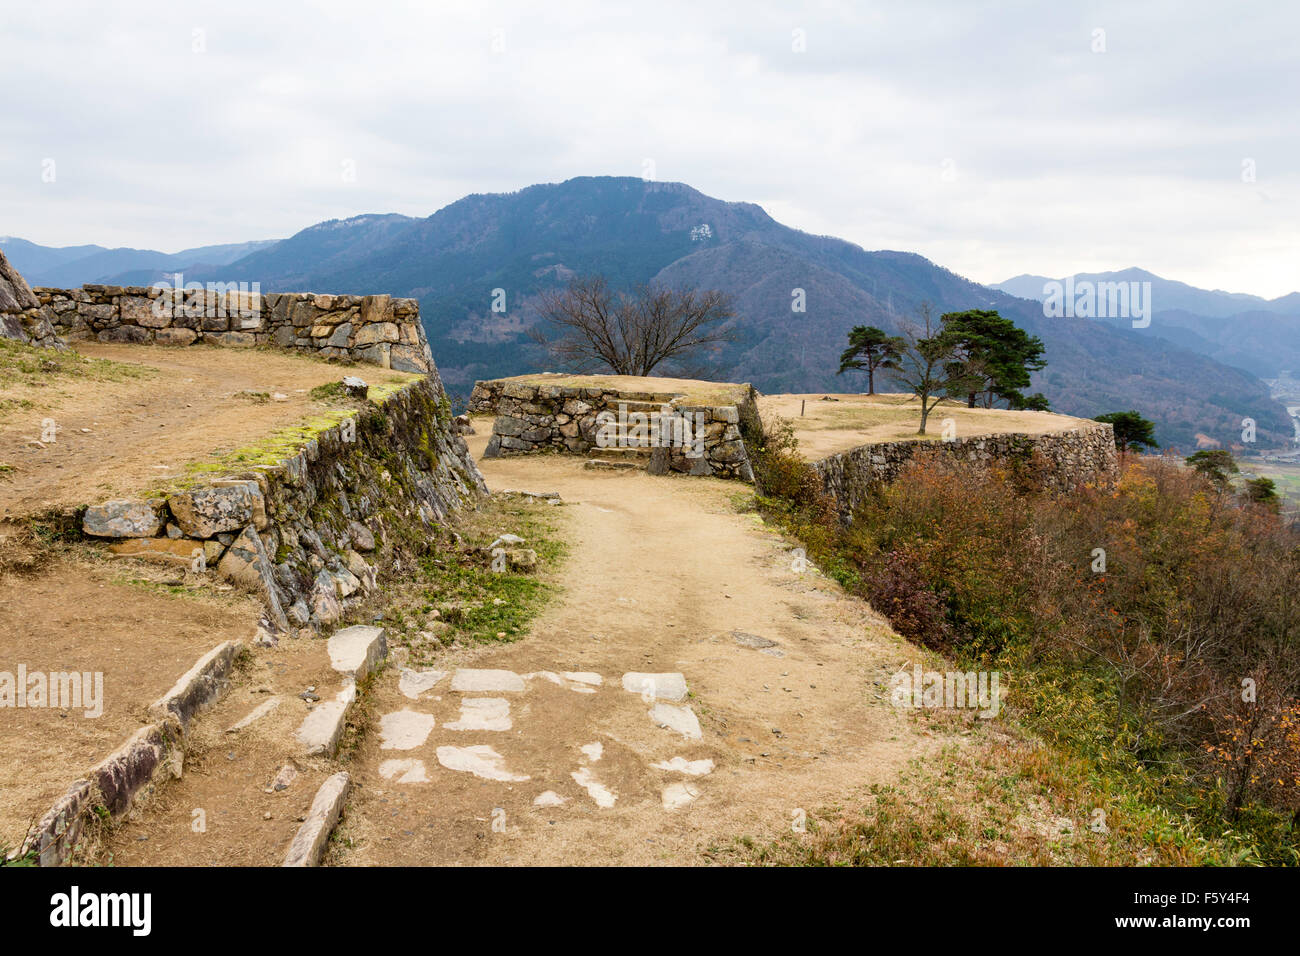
(992, 138)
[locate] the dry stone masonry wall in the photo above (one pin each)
(22, 316)
(1061, 460)
(377, 329)
(311, 534)
(695, 439)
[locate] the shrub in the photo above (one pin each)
(1135, 616)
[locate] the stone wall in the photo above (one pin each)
(311, 533)
(377, 329)
(1061, 460)
(580, 420)
(22, 317)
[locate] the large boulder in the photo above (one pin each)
(22, 317)
(122, 518)
(247, 563)
(221, 506)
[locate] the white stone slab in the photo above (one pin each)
(593, 752)
(678, 795)
(356, 651)
(480, 760)
(680, 719)
(257, 713)
(482, 713)
(655, 686)
(414, 683)
(319, 733)
(408, 770)
(603, 796)
(549, 798)
(309, 842)
(404, 729)
(692, 768)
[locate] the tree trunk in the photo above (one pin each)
(871, 380)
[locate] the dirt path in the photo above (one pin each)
(116, 436)
(128, 640)
(120, 429)
(665, 576)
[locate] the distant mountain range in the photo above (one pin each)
(72, 266)
(634, 231)
(1247, 331)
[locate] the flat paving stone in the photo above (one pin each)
(655, 686)
(603, 796)
(480, 760)
(404, 730)
(692, 768)
(254, 715)
(678, 795)
(404, 770)
(320, 731)
(414, 683)
(482, 713)
(680, 719)
(757, 642)
(568, 680)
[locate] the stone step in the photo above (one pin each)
(621, 453)
(356, 651)
(600, 464)
(309, 842)
(321, 730)
(657, 398)
(653, 407)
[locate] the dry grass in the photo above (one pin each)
(692, 391)
(995, 799)
(826, 427)
(22, 552)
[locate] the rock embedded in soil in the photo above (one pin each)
(220, 506)
(363, 539)
(745, 639)
(680, 719)
(480, 760)
(656, 686)
(121, 518)
(404, 730)
(356, 651)
(522, 559)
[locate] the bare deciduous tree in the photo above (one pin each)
(924, 365)
(630, 334)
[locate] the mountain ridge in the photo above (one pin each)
(70, 266)
(635, 232)
(1261, 336)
